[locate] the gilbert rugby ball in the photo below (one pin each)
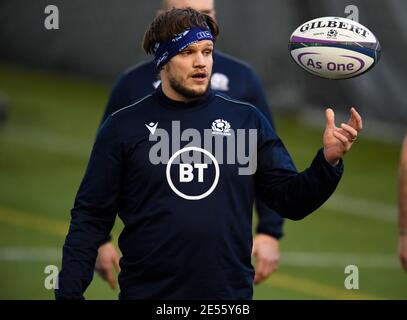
(334, 48)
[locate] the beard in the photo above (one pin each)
(184, 91)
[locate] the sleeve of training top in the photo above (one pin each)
(270, 222)
(294, 195)
(93, 214)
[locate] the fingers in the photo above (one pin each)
(330, 118)
(110, 278)
(355, 120)
(263, 270)
(105, 270)
(349, 132)
(267, 254)
(345, 141)
(106, 262)
(265, 266)
(116, 261)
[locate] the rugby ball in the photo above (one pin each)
(334, 48)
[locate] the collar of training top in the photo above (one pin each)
(184, 106)
(164, 51)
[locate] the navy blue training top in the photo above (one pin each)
(173, 247)
(229, 76)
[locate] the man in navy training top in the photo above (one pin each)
(231, 77)
(181, 167)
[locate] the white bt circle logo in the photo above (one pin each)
(186, 173)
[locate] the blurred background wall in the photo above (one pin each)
(100, 39)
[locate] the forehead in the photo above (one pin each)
(200, 45)
(198, 5)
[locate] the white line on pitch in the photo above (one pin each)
(30, 254)
(362, 207)
(330, 259)
(300, 259)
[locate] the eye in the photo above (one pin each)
(186, 52)
(207, 52)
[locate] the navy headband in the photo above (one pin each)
(164, 51)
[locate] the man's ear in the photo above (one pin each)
(164, 68)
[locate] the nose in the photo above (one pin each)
(199, 61)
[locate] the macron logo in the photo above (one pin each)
(151, 127)
(156, 84)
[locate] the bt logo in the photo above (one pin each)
(188, 172)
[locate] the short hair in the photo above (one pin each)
(170, 23)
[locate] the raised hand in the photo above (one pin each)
(339, 140)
